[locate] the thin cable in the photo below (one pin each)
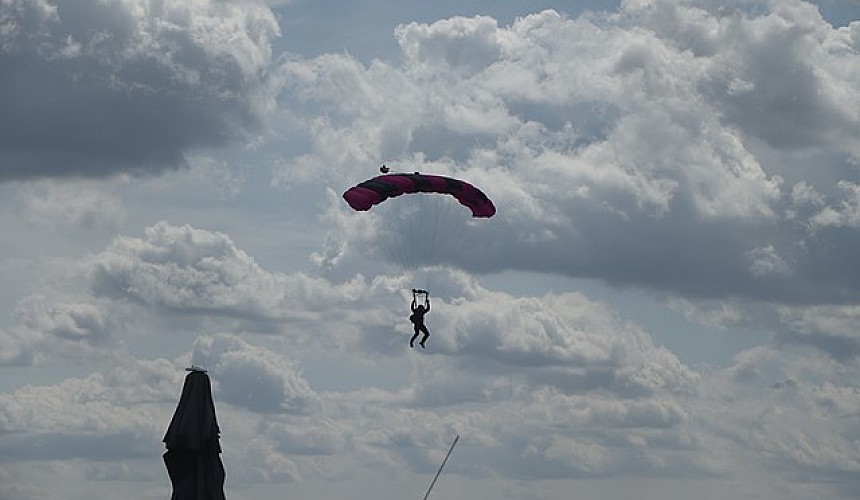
(440, 467)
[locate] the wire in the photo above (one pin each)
(441, 466)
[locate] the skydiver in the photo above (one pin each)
(417, 317)
(384, 169)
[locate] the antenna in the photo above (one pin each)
(441, 466)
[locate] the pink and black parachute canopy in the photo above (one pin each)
(374, 191)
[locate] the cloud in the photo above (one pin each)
(679, 161)
(187, 269)
(831, 328)
(550, 387)
(94, 89)
(534, 433)
(563, 341)
(547, 359)
(252, 377)
(100, 417)
(13, 489)
(70, 205)
(765, 260)
(547, 387)
(18, 348)
(794, 412)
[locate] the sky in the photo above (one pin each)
(665, 305)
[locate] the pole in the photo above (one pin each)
(441, 466)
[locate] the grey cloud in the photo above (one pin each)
(94, 89)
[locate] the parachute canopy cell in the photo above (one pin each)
(374, 191)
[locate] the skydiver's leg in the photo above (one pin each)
(426, 334)
(412, 340)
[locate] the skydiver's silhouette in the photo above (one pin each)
(417, 317)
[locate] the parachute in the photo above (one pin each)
(374, 191)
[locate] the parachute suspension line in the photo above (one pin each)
(439, 229)
(403, 258)
(435, 234)
(457, 438)
(452, 237)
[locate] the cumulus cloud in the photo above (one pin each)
(781, 404)
(569, 356)
(185, 268)
(93, 88)
(252, 377)
(677, 161)
(535, 432)
(564, 341)
(107, 416)
(548, 387)
(846, 213)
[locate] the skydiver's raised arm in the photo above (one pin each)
(413, 303)
(426, 304)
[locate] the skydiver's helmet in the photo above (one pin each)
(384, 169)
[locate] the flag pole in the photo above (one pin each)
(441, 466)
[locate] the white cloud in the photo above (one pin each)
(765, 260)
(252, 377)
(114, 415)
(793, 412)
(184, 268)
(662, 145)
(720, 314)
(675, 149)
(846, 213)
(549, 387)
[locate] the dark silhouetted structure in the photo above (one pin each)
(193, 453)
